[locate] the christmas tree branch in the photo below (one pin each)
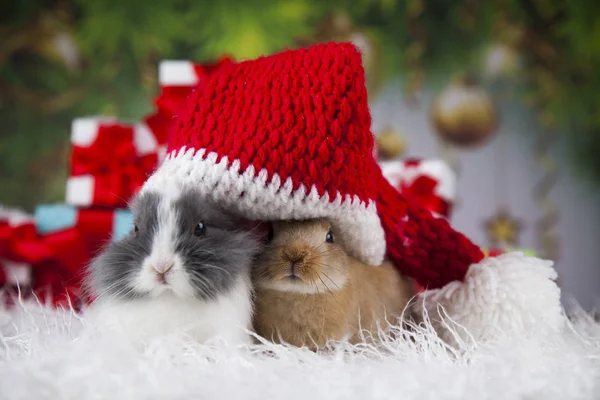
(47, 104)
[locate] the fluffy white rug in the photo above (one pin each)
(48, 354)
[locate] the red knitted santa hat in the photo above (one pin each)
(288, 137)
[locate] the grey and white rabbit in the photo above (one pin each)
(184, 268)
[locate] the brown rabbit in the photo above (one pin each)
(309, 291)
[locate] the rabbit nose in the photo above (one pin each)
(295, 256)
(161, 271)
(294, 267)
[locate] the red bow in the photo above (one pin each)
(56, 259)
(113, 162)
(22, 244)
(422, 191)
(113, 144)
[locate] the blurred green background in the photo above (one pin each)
(64, 59)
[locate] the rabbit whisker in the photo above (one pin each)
(110, 289)
(331, 280)
(313, 283)
(204, 284)
(333, 295)
(210, 266)
(326, 287)
(324, 266)
(212, 254)
(197, 277)
(125, 291)
(325, 251)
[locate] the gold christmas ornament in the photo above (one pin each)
(464, 114)
(55, 40)
(60, 48)
(501, 60)
(390, 144)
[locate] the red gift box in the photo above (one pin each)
(177, 79)
(61, 282)
(110, 161)
(15, 229)
(430, 183)
(54, 262)
(95, 227)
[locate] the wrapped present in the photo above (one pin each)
(49, 265)
(95, 225)
(15, 233)
(177, 79)
(431, 183)
(110, 161)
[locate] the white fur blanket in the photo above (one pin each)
(48, 354)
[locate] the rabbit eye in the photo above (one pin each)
(200, 229)
(329, 237)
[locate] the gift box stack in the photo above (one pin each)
(46, 254)
(110, 160)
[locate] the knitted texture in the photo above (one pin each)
(422, 246)
(301, 115)
(284, 137)
(288, 137)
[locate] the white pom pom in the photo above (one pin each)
(508, 294)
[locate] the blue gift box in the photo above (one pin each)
(51, 218)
